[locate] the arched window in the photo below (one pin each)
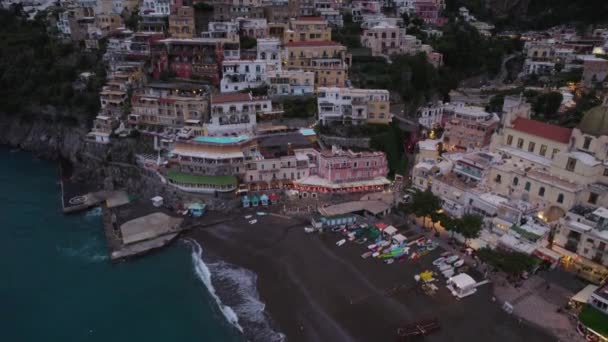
(498, 178)
(263, 55)
(560, 198)
(541, 191)
(383, 34)
(527, 186)
(515, 181)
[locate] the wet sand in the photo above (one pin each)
(315, 291)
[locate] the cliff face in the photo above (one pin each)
(111, 166)
(48, 140)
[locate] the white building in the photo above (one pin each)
(63, 23)
(431, 116)
(354, 105)
(235, 113)
(239, 75)
(269, 50)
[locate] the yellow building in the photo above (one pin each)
(553, 166)
(169, 105)
(181, 23)
(307, 29)
(328, 60)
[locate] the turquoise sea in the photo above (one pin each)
(56, 283)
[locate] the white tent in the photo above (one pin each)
(399, 239)
(462, 285)
(390, 231)
(157, 201)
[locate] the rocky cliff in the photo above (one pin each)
(111, 166)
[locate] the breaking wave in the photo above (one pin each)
(203, 272)
(241, 302)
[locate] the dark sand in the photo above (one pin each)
(315, 291)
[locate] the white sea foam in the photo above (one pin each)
(88, 251)
(237, 286)
(240, 283)
(204, 274)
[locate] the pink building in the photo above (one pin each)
(469, 127)
(386, 39)
(595, 71)
(343, 171)
(435, 58)
(428, 10)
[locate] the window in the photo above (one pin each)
(587, 143)
(555, 151)
(541, 191)
(605, 172)
(498, 178)
(571, 164)
(509, 140)
(527, 186)
(520, 143)
(593, 198)
(543, 150)
(515, 181)
(531, 146)
(560, 198)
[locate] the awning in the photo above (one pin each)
(583, 295)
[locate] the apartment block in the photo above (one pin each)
(328, 60)
(353, 105)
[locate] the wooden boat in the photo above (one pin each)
(419, 328)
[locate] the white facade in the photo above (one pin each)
(269, 50)
(63, 23)
(159, 7)
(242, 74)
(538, 67)
(291, 82)
(348, 103)
(223, 26)
(431, 116)
(235, 113)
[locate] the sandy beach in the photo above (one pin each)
(315, 291)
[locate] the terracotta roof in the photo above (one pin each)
(230, 97)
(313, 43)
(543, 130)
(311, 18)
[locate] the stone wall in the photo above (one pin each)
(328, 141)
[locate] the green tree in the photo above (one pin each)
(513, 263)
(424, 203)
(547, 104)
(451, 224)
(248, 42)
(470, 226)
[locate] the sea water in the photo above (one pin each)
(57, 284)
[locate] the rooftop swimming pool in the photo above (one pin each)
(222, 140)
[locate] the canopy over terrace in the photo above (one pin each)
(371, 207)
(318, 184)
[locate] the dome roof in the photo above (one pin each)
(595, 121)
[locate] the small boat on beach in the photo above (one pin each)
(341, 242)
(419, 328)
(458, 263)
